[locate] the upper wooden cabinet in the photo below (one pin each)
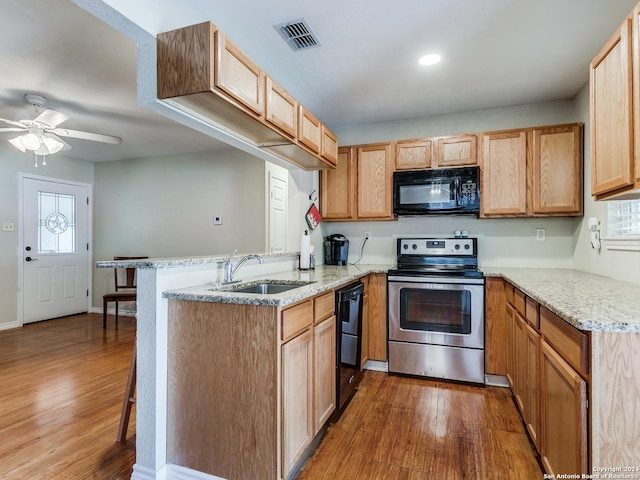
(338, 187)
(450, 151)
(614, 69)
(414, 154)
(556, 170)
(375, 182)
(281, 109)
(200, 71)
(532, 172)
(503, 188)
(359, 188)
(329, 150)
(457, 151)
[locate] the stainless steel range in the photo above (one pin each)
(436, 309)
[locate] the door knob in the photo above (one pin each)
(29, 259)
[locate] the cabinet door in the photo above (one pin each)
(329, 146)
(364, 345)
(563, 415)
(496, 327)
(413, 154)
(377, 316)
(511, 346)
(457, 150)
(281, 109)
(504, 174)
(338, 188)
(611, 114)
(309, 129)
(297, 388)
(238, 76)
(324, 353)
(532, 391)
(520, 362)
(375, 170)
(557, 170)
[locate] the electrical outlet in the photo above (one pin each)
(217, 220)
(8, 227)
(541, 234)
(367, 235)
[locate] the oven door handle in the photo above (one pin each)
(437, 280)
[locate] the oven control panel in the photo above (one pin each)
(437, 246)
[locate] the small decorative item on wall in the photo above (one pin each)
(313, 214)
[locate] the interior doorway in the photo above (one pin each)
(54, 248)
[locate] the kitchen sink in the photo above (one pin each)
(264, 287)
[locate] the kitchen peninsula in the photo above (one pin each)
(601, 309)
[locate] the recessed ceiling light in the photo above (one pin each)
(430, 59)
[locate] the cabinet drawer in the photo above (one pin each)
(519, 302)
(296, 319)
(568, 341)
(323, 307)
(508, 290)
(532, 309)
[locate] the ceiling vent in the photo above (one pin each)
(298, 34)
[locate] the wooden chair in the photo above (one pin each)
(128, 400)
(125, 292)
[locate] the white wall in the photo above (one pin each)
(621, 265)
(13, 162)
(503, 242)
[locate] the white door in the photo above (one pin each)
(277, 213)
(54, 249)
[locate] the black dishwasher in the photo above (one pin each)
(348, 342)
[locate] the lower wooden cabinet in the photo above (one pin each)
(297, 399)
(563, 415)
(377, 317)
(324, 372)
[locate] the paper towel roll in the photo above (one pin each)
(305, 252)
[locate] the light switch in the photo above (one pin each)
(541, 234)
(217, 220)
(8, 227)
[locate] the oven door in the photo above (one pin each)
(437, 311)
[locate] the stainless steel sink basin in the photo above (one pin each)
(264, 287)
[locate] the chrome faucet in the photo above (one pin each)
(230, 269)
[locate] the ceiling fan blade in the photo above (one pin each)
(52, 118)
(96, 137)
(13, 122)
(11, 129)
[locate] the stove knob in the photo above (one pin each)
(467, 246)
(405, 246)
(414, 246)
(457, 247)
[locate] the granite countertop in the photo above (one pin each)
(584, 300)
(323, 278)
(174, 262)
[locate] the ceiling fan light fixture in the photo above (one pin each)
(52, 144)
(30, 141)
(17, 142)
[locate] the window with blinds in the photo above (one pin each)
(624, 218)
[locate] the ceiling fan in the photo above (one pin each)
(41, 135)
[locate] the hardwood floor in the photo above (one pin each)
(62, 383)
(413, 429)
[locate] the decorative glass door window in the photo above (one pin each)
(56, 223)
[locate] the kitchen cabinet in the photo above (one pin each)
(556, 173)
(235, 370)
(496, 326)
(563, 415)
(375, 183)
(338, 187)
(360, 187)
(413, 154)
(329, 145)
(281, 109)
(614, 71)
(503, 190)
(202, 73)
(364, 339)
(297, 383)
(324, 360)
(532, 172)
(457, 151)
(377, 317)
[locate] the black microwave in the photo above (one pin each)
(437, 191)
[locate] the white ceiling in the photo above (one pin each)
(495, 53)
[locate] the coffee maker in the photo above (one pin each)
(336, 249)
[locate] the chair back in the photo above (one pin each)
(129, 276)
